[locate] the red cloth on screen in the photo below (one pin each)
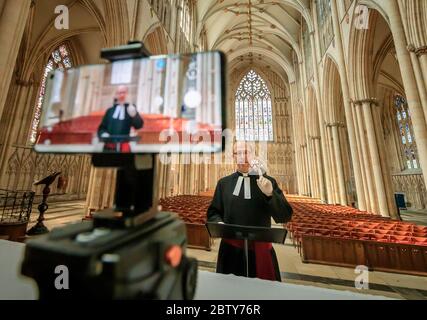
(263, 259)
(124, 147)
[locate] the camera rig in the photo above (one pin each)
(132, 251)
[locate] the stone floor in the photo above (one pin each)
(415, 216)
(292, 269)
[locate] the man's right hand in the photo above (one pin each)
(132, 112)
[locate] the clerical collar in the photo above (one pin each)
(120, 112)
(251, 173)
(243, 179)
(244, 174)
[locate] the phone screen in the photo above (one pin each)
(171, 104)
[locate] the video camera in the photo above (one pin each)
(159, 104)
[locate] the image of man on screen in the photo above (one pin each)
(117, 123)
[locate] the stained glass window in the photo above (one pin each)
(406, 133)
(254, 116)
(324, 18)
(59, 59)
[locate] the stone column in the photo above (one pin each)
(303, 177)
(317, 148)
(371, 193)
(101, 190)
(421, 53)
(307, 191)
(409, 82)
(323, 174)
(317, 55)
(296, 149)
(300, 174)
(418, 55)
(363, 198)
(13, 19)
(375, 158)
(333, 173)
(19, 99)
(346, 96)
(315, 178)
(339, 164)
(329, 165)
(388, 184)
(309, 176)
(306, 126)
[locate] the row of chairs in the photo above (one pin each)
(363, 227)
(191, 209)
(349, 223)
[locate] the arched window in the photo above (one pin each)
(406, 133)
(254, 116)
(59, 59)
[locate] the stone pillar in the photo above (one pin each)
(334, 183)
(297, 157)
(388, 184)
(346, 97)
(303, 177)
(339, 164)
(422, 56)
(418, 55)
(375, 158)
(315, 178)
(13, 19)
(409, 82)
(307, 191)
(363, 198)
(367, 166)
(323, 174)
(19, 100)
(317, 148)
(329, 165)
(308, 154)
(101, 190)
(300, 173)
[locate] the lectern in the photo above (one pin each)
(245, 233)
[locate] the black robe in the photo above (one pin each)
(257, 212)
(117, 127)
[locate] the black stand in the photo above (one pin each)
(134, 197)
(236, 232)
(129, 252)
(40, 228)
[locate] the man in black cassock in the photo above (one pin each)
(117, 123)
(248, 197)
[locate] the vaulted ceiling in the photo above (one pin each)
(261, 32)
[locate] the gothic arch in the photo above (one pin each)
(313, 117)
(332, 95)
(264, 93)
(155, 40)
(37, 47)
(117, 31)
(244, 71)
